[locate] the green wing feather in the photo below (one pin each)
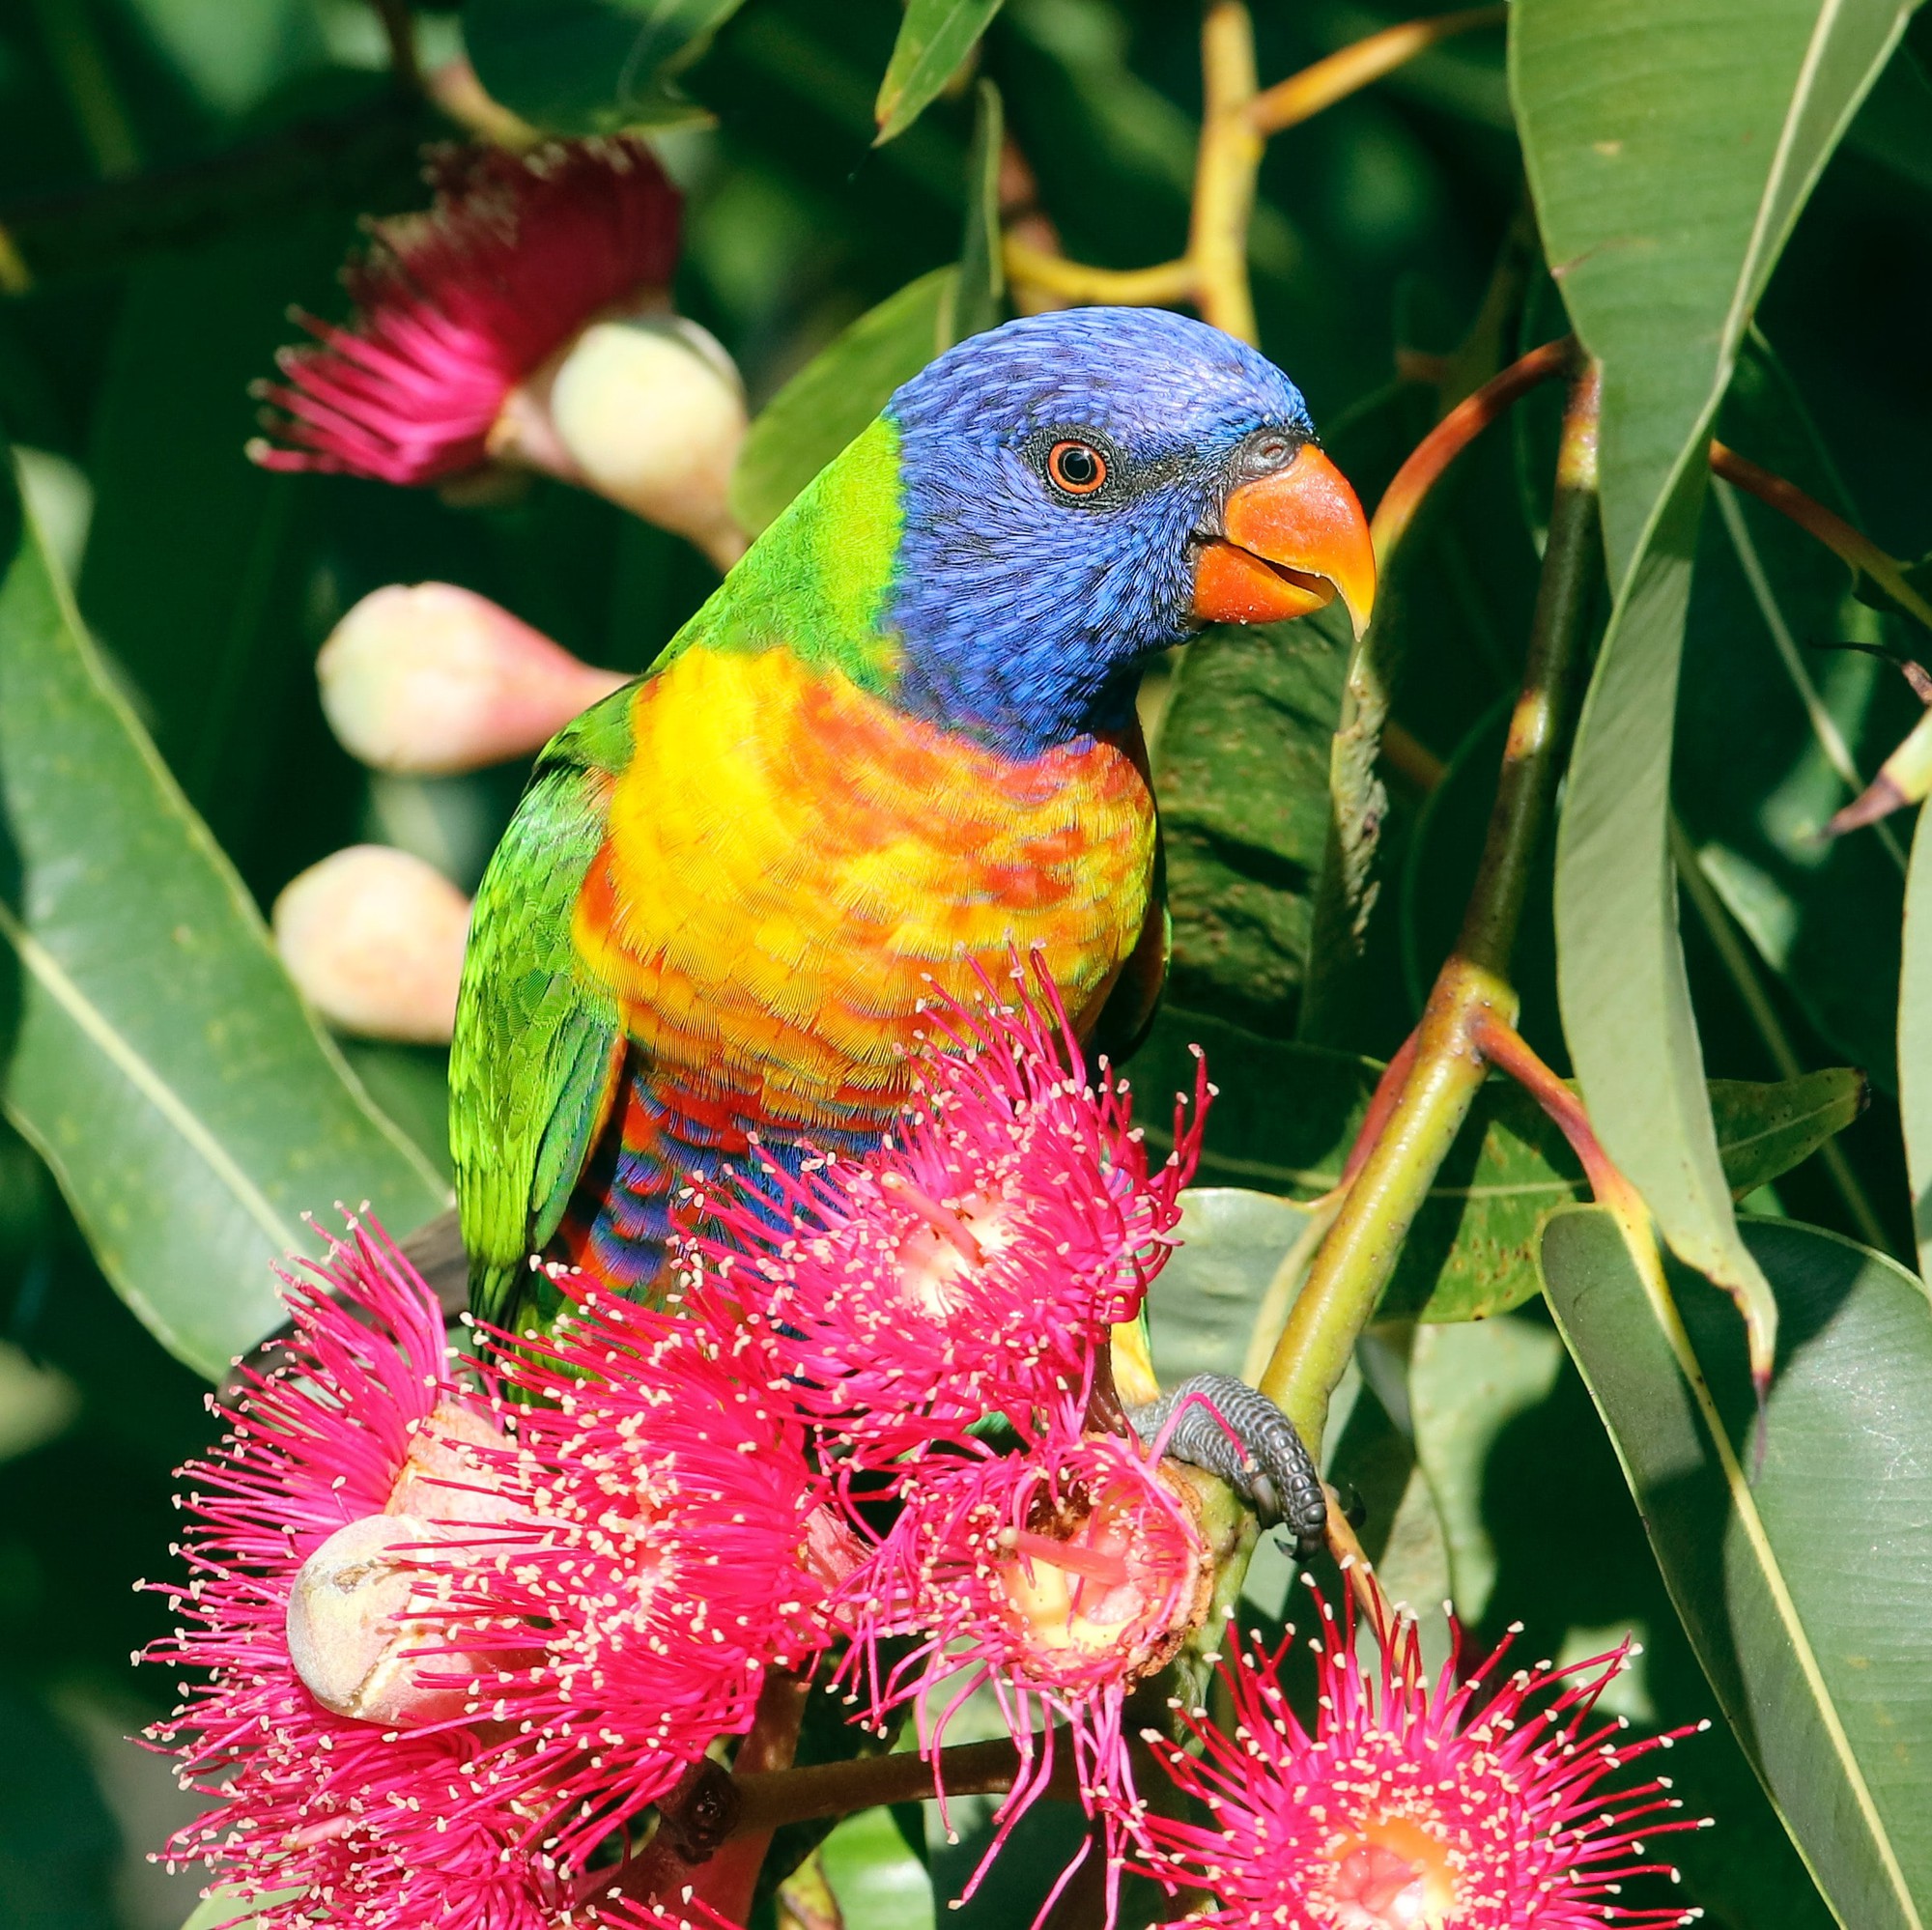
(538, 1042)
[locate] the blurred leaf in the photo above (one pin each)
(217, 1911)
(410, 1085)
(979, 297)
(1241, 771)
(198, 590)
(1915, 1039)
(1895, 126)
(162, 1065)
(1773, 735)
(836, 393)
(1285, 1115)
(592, 67)
(878, 1881)
(1807, 1592)
(58, 1843)
(934, 38)
(1669, 151)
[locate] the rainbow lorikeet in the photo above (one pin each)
(899, 737)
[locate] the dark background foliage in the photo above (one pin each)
(175, 173)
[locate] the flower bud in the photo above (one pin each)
(432, 678)
(649, 411)
(452, 1472)
(352, 1638)
(374, 940)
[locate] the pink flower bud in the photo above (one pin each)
(361, 1635)
(428, 677)
(646, 410)
(374, 940)
(454, 1469)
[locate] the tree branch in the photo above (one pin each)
(1472, 993)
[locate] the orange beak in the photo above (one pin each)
(1291, 542)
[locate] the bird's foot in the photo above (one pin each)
(1224, 1425)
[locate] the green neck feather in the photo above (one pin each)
(815, 582)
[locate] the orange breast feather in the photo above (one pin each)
(791, 862)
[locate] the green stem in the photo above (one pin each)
(1473, 990)
(1540, 724)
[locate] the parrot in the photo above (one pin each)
(897, 744)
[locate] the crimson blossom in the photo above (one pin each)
(679, 1545)
(1057, 1578)
(525, 319)
(354, 1784)
(1471, 1805)
(976, 1263)
(449, 1644)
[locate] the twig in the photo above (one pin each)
(1133, 288)
(1364, 1583)
(1225, 164)
(1851, 546)
(1454, 434)
(400, 31)
(1236, 123)
(1304, 95)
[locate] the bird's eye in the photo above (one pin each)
(1077, 469)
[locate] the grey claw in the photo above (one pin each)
(1265, 1461)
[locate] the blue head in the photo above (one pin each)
(1084, 488)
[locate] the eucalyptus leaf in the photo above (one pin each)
(1202, 1306)
(874, 1877)
(934, 39)
(1773, 733)
(1285, 1116)
(1915, 1040)
(592, 67)
(979, 297)
(1241, 771)
(157, 1057)
(1807, 1590)
(836, 393)
(1670, 151)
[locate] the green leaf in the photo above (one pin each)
(838, 393)
(1201, 1307)
(878, 1881)
(1807, 1592)
(1914, 1039)
(1669, 151)
(162, 1065)
(1285, 1115)
(217, 1911)
(202, 591)
(1773, 736)
(1468, 1385)
(592, 67)
(980, 297)
(1241, 771)
(935, 37)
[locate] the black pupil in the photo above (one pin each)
(1079, 466)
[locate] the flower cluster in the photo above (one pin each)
(461, 1625)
